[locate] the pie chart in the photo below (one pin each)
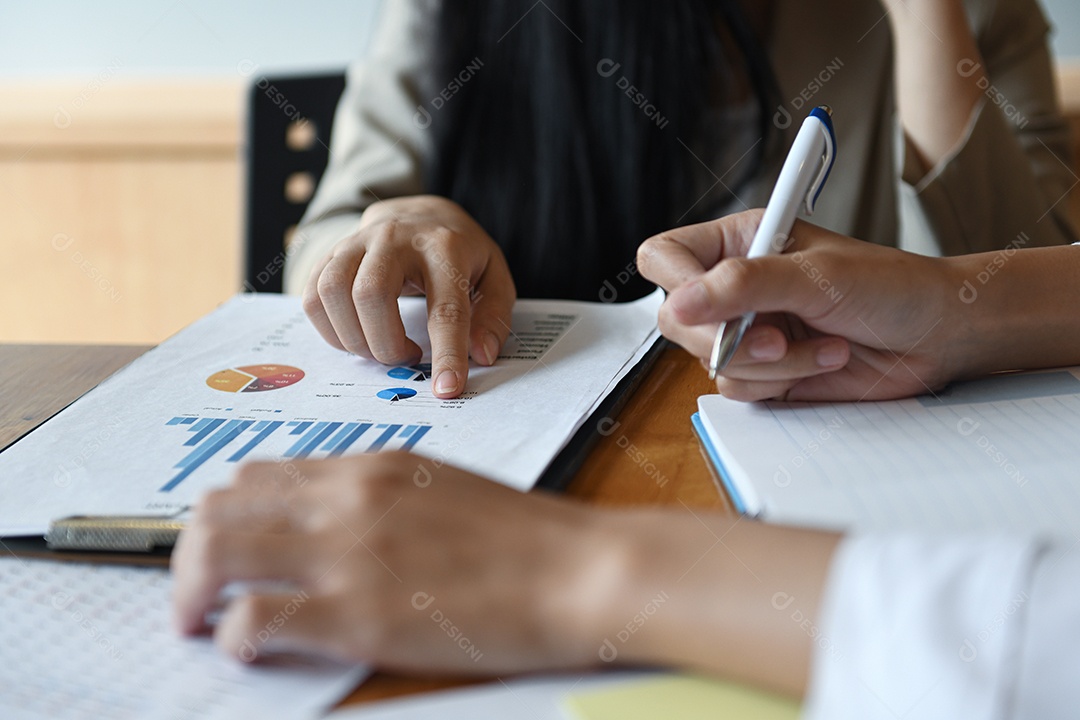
(255, 378)
(395, 394)
(416, 373)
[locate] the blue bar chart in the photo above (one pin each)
(209, 436)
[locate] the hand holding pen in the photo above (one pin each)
(833, 314)
(800, 183)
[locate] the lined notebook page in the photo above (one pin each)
(1000, 454)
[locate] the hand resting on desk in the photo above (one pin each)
(421, 569)
(386, 547)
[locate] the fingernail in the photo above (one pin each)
(762, 348)
(491, 348)
(447, 382)
(690, 300)
(831, 355)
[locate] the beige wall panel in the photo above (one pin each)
(120, 205)
(113, 249)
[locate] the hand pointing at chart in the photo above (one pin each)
(415, 246)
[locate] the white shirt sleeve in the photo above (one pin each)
(380, 135)
(937, 627)
(1048, 682)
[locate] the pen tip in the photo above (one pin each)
(827, 109)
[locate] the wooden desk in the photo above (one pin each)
(650, 457)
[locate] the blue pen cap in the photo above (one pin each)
(823, 113)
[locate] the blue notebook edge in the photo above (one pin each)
(714, 458)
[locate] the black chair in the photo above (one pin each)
(288, 132)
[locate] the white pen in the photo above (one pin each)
(801, 179)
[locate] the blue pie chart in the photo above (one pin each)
(395, 394)
(416, 373)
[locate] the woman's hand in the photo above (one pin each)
(840, 319)
(415, 245)
(396, 563)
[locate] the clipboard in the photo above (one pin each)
(570, 459)
(149, 539)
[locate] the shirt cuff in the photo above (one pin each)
(1046, 685)
(918, 626)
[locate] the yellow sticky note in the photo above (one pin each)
(680, 696)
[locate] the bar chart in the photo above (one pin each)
(210, 436)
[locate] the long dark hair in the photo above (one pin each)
(540, 136)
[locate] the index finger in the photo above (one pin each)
(676, 256)
(449, 320)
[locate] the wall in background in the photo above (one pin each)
(181, 37)
(121, 165)
(212, 37)
(120, 218)
(1065, 15)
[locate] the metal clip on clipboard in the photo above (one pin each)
(134, 533)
